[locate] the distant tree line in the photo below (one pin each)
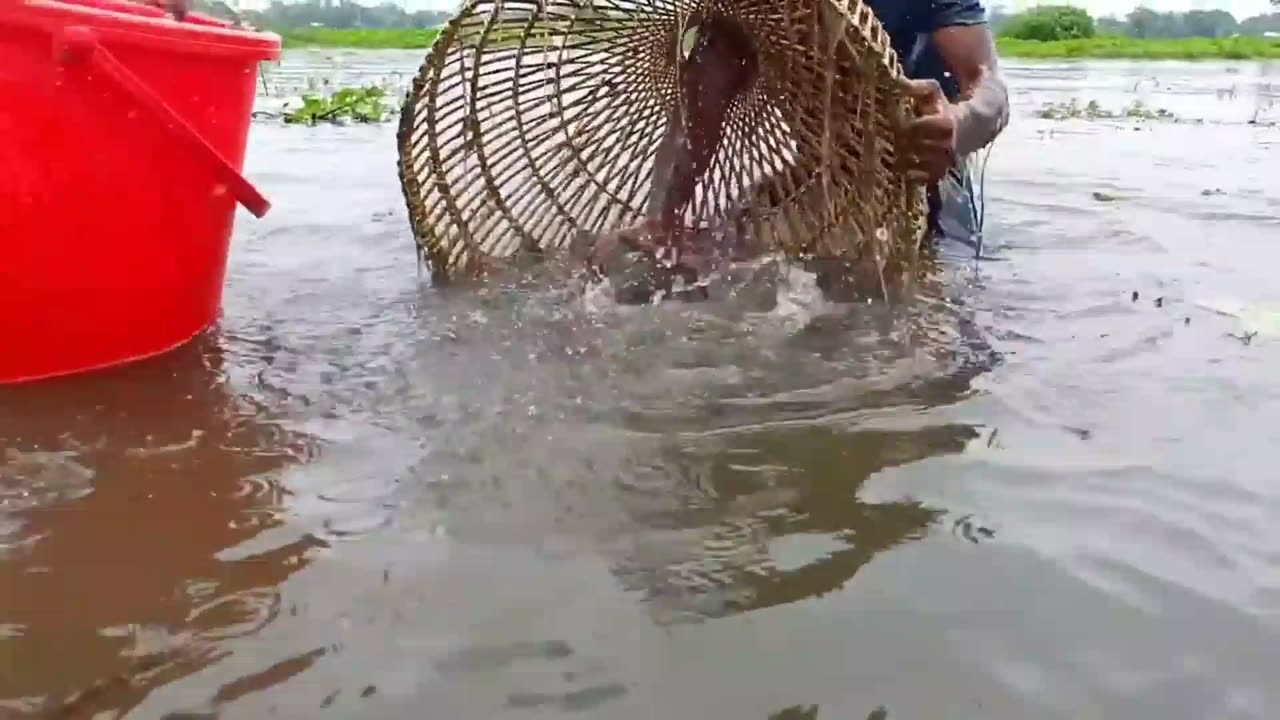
(1045, 22)
(1064, 22)
(343, 14)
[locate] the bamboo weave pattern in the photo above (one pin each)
(532, 120)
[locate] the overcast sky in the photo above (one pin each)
(1240, 8)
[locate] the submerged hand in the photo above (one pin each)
(929, 141)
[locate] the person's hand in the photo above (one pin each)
(928, 144)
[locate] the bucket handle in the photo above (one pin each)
(79, 45)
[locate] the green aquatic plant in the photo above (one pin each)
(1092, 110)
(1138, 110)
(363, 105)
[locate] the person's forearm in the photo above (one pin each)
(982, 116)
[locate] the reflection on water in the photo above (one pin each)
(772, 459)
(814, 476)
(119, 493)
(531, 504)
(690, 447)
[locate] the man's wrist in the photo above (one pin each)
(983, 115)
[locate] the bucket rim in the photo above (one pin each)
(195, 32)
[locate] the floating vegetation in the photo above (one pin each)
(1073, 110)
(362, 105)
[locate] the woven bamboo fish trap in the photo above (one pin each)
(534, 120)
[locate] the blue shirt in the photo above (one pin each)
(909, 24)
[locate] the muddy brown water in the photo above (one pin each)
(1044, 489)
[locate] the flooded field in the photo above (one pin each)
(1042, 490)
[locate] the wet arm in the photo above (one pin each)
(968, 51)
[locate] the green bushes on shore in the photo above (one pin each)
(366, 39)
(1050, 22)
(1120, 47)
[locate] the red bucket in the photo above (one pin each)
(122, 141)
